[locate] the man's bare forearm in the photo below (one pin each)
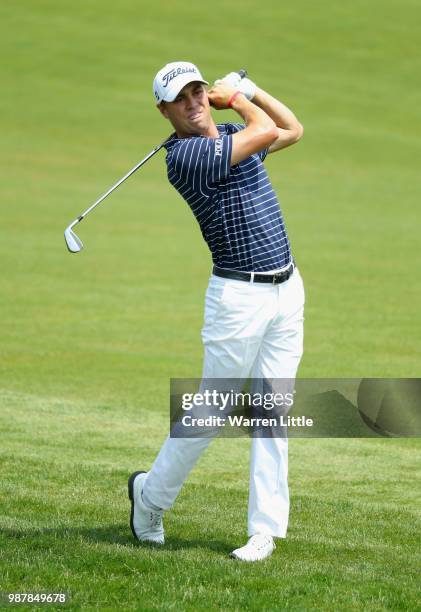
(253, 115)
(260, 131)
(282, 116)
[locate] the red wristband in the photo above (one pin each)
(231, 100)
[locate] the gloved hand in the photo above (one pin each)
(246, 86)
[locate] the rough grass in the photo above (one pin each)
(352, 543)
(89, 342)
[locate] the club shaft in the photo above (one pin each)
(111, 189)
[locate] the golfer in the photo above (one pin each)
(253, 323)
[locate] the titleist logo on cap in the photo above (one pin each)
(169, 76)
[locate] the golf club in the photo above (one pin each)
(73, 242)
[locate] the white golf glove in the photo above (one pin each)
(246, 86)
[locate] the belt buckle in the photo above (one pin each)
(277, 278)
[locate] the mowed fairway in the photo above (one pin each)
(90, 341)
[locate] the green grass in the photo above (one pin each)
(352, 541)
(89, 342)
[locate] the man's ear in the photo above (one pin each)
(162, 109)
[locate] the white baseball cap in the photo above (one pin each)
(171, 79)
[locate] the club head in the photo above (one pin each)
(74, 244)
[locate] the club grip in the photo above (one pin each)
(242, 73)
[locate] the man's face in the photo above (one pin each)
(190, 112)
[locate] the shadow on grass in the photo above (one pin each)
(112, 534)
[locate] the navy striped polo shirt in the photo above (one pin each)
(235, 206)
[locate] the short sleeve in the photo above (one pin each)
(203, 162)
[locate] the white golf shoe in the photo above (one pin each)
(257, 548)
(146, 524)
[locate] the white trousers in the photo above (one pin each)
(250, 329)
